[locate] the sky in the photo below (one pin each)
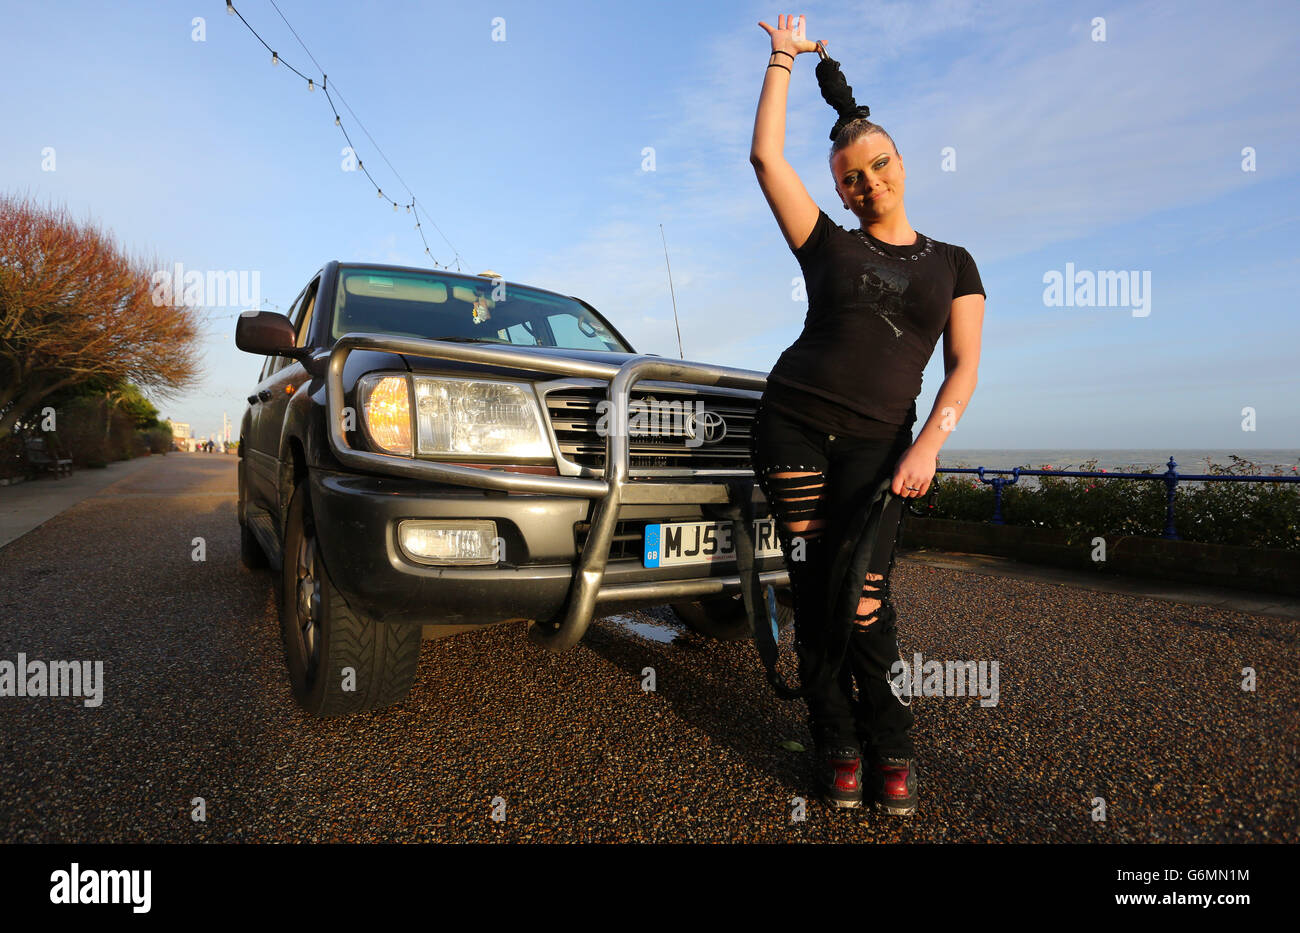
(1170, 150)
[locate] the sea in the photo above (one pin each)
(1196, 460)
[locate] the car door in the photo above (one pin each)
(249, 450)
(291, 374)
(268, 412)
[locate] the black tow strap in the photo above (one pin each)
(848, 570)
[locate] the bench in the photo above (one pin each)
(40, 458)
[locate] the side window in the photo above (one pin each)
(308, 307)
(277, 363)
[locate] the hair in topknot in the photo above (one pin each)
(852, 124)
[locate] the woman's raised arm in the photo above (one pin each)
(795, 210)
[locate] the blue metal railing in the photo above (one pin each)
(1171, 478)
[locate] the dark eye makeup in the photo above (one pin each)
(852, 177)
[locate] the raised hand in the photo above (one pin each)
(788, 36)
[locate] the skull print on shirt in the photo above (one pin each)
(880, 291)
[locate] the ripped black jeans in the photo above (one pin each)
(814, 483)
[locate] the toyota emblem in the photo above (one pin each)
(713, 424)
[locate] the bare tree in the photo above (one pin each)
(74, 307)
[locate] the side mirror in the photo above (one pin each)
(266, 334)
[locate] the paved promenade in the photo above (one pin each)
(1130, 695)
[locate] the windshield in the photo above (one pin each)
(426, 304)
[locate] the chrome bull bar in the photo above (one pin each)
(614, 490)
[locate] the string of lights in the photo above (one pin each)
(412, 207)
(226, 317)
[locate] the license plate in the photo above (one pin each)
(670, 544)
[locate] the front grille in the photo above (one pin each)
(627, 543)
(574, 417)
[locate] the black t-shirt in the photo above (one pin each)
(875, 312)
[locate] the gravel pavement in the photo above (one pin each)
(1134, 700)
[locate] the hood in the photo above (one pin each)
(426, 364)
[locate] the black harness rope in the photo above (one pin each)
(848, 568)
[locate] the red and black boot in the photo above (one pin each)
(894, 784)
(839, 774)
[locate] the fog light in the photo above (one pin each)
(429, 542)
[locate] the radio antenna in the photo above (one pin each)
(680, 353)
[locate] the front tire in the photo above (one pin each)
(340, 661)
(724, 617)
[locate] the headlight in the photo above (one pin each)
(454, 417)
(385, 402)
(478, 417)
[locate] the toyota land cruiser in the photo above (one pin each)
(427, 453)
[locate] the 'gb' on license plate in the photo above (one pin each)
(674, 543)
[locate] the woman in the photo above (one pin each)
(836, 418)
